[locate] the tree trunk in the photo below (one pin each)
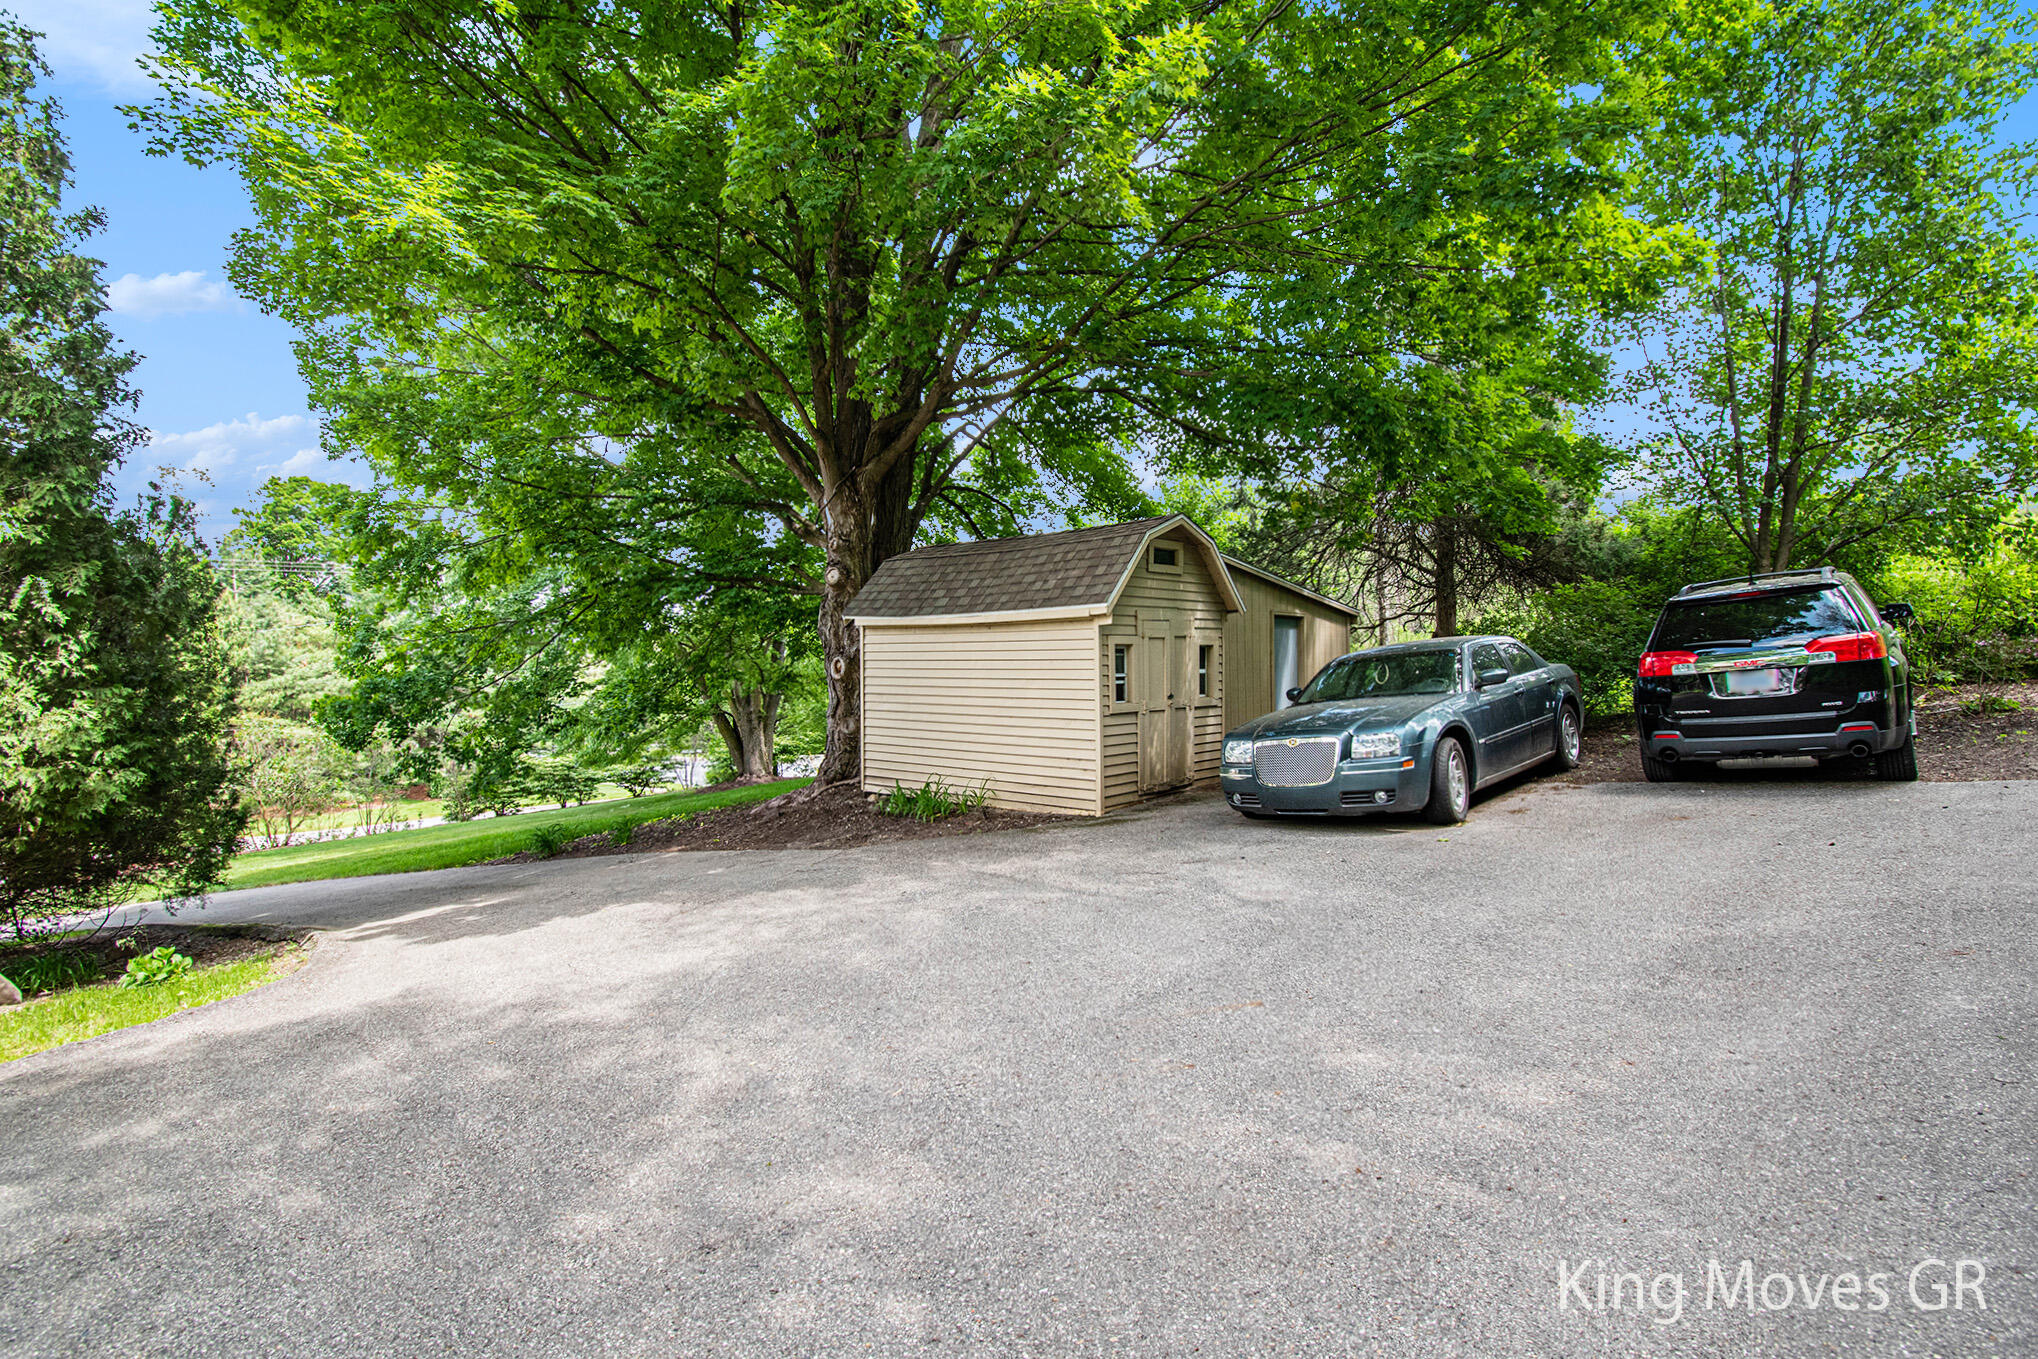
(1446, 542)
(748, 726)
(862, 532)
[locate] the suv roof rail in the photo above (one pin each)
(1825, 573)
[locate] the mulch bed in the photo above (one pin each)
(1955, 744)
(835, 818)
(204, 945)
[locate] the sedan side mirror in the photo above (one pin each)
(1897, 613)
(1294, 694)
(1489, 678)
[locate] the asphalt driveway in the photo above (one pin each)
(1180, 1083)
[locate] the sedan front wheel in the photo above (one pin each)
(1570, 737)
(1450, 783)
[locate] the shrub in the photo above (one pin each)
(637, 780)
(52, 971)
(559, 781)
(1597, 627)
(933, 800)
(156, 967)
(1977, 618)
(551, 837)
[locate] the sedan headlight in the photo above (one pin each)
(1374, 745)
(1238, 751)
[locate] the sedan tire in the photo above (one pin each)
(1570, 737)
(1450, 783)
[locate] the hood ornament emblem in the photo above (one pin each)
(1293, 742)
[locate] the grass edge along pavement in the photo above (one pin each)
(457, 844)
(80, 1012)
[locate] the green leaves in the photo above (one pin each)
(114, 686)
(1857, 359)
(607, 278)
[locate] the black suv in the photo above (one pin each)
(1789, 663)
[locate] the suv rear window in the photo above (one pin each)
(1774, 618)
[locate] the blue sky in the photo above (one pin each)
(219, 384)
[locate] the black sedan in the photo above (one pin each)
(1417, 726)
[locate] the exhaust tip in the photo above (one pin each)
(1859, 750)
(1668, 754)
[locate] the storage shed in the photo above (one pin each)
(1077, 672)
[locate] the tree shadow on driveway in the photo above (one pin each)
(1018, 1093)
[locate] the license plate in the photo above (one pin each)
(1756, 683)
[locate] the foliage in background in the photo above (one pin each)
(639, 779)
(290, 773)
(285, 653)
(1597, 627)
(560, 781)
(1861, 356)
(1977, 615)
(860, 270)
(115, 695)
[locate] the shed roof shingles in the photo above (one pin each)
(1004, 575)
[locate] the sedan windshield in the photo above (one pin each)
(1377, 674)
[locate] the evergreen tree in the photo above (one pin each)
(115, 696)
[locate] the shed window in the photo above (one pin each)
(1119, 688)
(1167, 559)
(1202, 672)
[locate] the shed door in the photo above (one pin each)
(1164, 703)
(1287, 657)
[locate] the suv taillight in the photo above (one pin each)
(1851, 646)
(1659, 663)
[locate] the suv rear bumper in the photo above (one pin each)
(1666, 743)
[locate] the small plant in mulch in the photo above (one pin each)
(548, 839)
(1989, 705)
(933, 800)
(155, 967)
(53, 971)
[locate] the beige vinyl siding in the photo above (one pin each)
(1190, 597)
(1010, 703)
(1249, 640)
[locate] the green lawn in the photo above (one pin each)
(473, 842)
(87, 1011)
(423, 810)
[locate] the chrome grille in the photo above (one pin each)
(1295, 763)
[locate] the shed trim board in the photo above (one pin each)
(1236, 565)
(935, 620)
(1023, 698)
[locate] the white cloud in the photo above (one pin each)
(300, 463)
(168, 295)
(93, 42)
(226, 443)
